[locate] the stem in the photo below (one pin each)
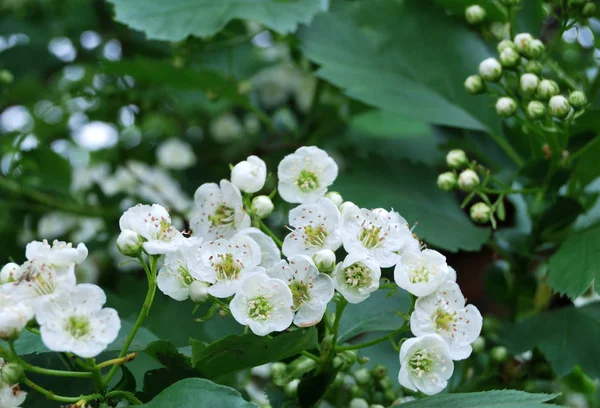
(585, 148)
(511, 191)
(270, 233)
(508, 149)
(129, 357)
(126, 395)
(373, 342)
(59, 398)
(98, 377)
(46, 371)
(310, 355)
(562, 74)
(339, 310)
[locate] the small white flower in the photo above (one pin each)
(175, 154)
(11, 396)
(264, 304)
(316, 227)
(305, 175)
(219, 211)
(444, 313)
(490, 69)
(269, 251)
(357, 277)
(10, 273)
(468, 180)
(14, 316)
(425, 364)
(381, 235)
(529, 83)
(175, 277)
(559, 106)
(40, 282)
(311, 290)
(421, 273)
(225, 263)
(249, 175)
(153, 223)
(60, 254)
(77, 323)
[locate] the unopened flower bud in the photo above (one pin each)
(6, 77)
(499, 354)
(456, 159)
(262, 206)
(577, 99)
(547, 89)
(291, 388)
(534, 67)
(536, 110)
(357, 392)
(506, 106)
(559, 106)
(335, 197)
(510, 58)
(358, 403)
(244, 87)
(386, 383)
(376, 406)
(345, 205)
(529, 83)
(379, 371)
(475, 14)
(278, 370)
(11, 373)
(349, 356)
(390, 395)
(10, 273)
(199, 292)
(474, 84)
(249, 175)
(478, 345)
(468, 180)
(447, 181)
(363, 377)
(490, 69)
(129, 243)
(337, 362)
(504, 44)
(589, 10)
(534, 49)
(324, 260)
(480, 213)
(521, 41)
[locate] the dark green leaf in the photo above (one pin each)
(312, 388)
(487, 399)
(127, 381)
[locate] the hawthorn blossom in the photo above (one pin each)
(421, 273)
(249, 175)
(311, 289)
(425, 364)
(77, 323)
(264, 304)
(357, 277)
(316, 227)
(11, 396)
(381, 235)
(269, 251)
(60, 254)
(219, 211)
(40, 282)
(174, 278)
(14, 316)
(305, 175)
(175, 154)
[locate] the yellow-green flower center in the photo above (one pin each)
(78, 326)
(227, 268)
(307, 181)
(444, 320)
(223, 215)
(186, 277)
(370, 236)
(419, 274)
(300, 293)
(421, 363)
(259, 308)
(358, 275)
(315, 236)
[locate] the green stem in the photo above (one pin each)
(46, 371)
(511, 191)
(59, 398)
(98, 377)
(270, 233)
(126, 395)
(381, 339)
(339, 310)
(562, 74)
(310, 355)
(508, 149)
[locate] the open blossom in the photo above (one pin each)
(225, 263)
(40, 282)
(153, 223)
(264, 304)
(60, 254)
(316, 227)
(311, 289)
(11, 396)
(219, 211)
(381, 235)
(174, 278)
(357, 277)
(305, 175)
(249, 175)
(269, 251)
(425, 364)
(13, 317)
(421, 273)
(444, 313)
(77, 322)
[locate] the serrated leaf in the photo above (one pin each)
(567, 337)
(177, 19)
(576, 263)
(486, 399)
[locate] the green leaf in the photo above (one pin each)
(233, 353)
(401, 68)
(177, 19)
(198, 393)
(486, 399)
(312, 388)
(576, 263)
(412, 191)
(567, 337)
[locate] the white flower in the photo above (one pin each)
(226, 128)
(305, 175)
(316, 227)
(425, 364)
(41, 282)
(10, 273)
(11, 396)
(175, 277)
(559, 106)
(77, 323)
(381, 235)
(356, 277)
(175, 154)
(129, 243)
(468, 180)
(421, 273)
(311, 290)
(264, 304)
(249, 175)
(226, 263)
(529, 83)
(219, 211)
(444, 313)
(14, 316)
(262, 206)
(153, 223)
(60, 254)
(269, 251)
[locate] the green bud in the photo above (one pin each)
(468, 180)
(386, 384)
(475, 14)
(339, 378)
(559, 106)
(589, 10)
(521, 40)
(357, 392)
(337, 362)
(506, 106)
(349, 356)
(577, 99)
(376, 406)
(528, 84)
(262, 206)
(504, 44)
(11, 373)
(534, 67)
(534, 49)
(456, 159)
(547, 89)
(327, 343)
(474, 85)
(324, 260)
(510, 58)
(358, 403)
(389, 395)
(291, 388)
(447, 181)
(480, 213)
(363, 377)
(478, 345)
(6, 77)
(379, 371)
(499, 354)
(490, 69)
(536, 110)
(130, 243)
(278, 369)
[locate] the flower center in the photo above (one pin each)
(300, 293)
(315, 236)
(358, 275)
(425, 363)
(40, 277)
(259, 308)
(78, 326)
(419, 273)
(369, 236)
(164, 231)
(185, 276)
(227, 268)
(223, 216)
(307, 181)
(444, 320)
